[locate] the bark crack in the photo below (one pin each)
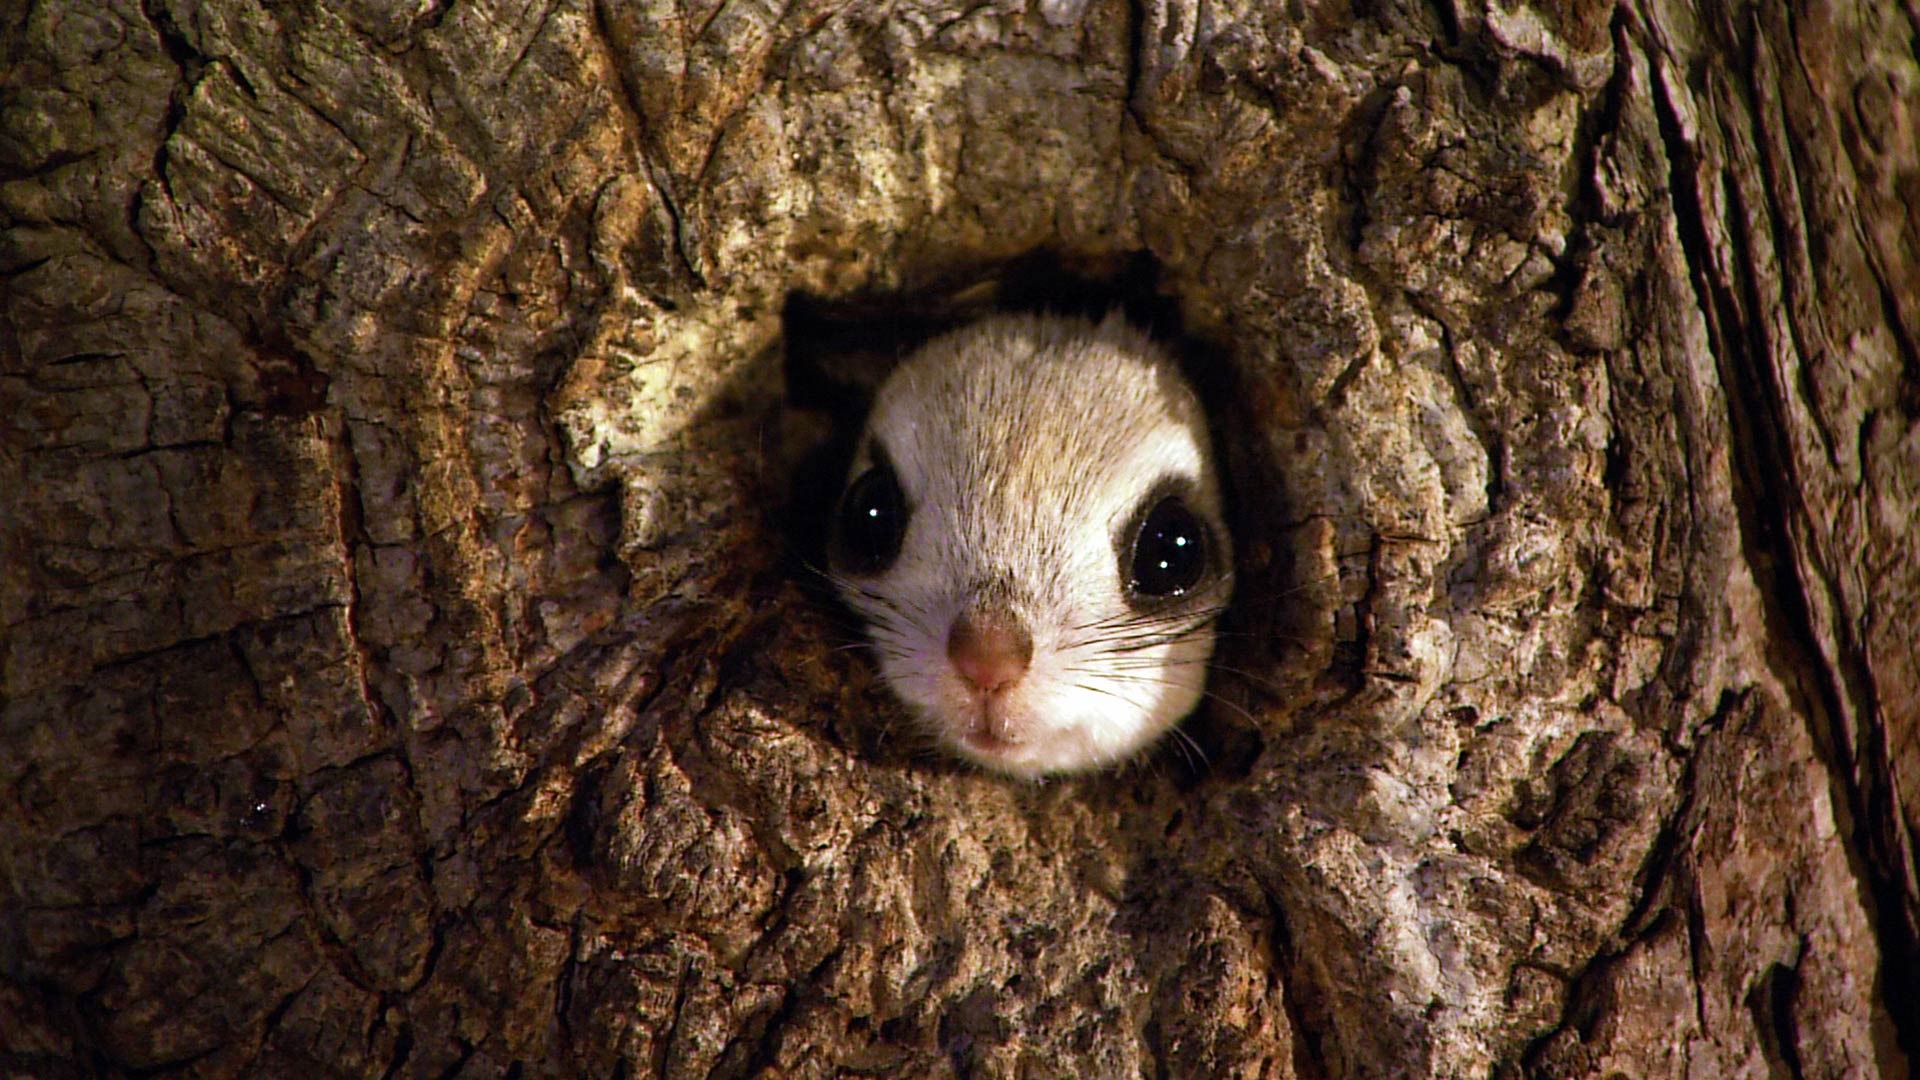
(1765, 495)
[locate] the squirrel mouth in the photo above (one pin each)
(992, 731)
(985, 742)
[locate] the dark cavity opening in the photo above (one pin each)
(839, 349)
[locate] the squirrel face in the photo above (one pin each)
(1032, 532)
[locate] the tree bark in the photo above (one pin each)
(406, 669)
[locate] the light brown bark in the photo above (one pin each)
(404, 669)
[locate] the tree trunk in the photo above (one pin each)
(404, 417)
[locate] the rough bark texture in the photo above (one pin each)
(403, 671)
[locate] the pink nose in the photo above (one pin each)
(990, 649)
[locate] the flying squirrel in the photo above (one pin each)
(1032, 532)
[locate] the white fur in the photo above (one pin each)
(1024, 445)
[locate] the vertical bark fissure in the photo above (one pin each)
(1766, 496)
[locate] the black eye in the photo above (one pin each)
(1169, 552)
(873, 519)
